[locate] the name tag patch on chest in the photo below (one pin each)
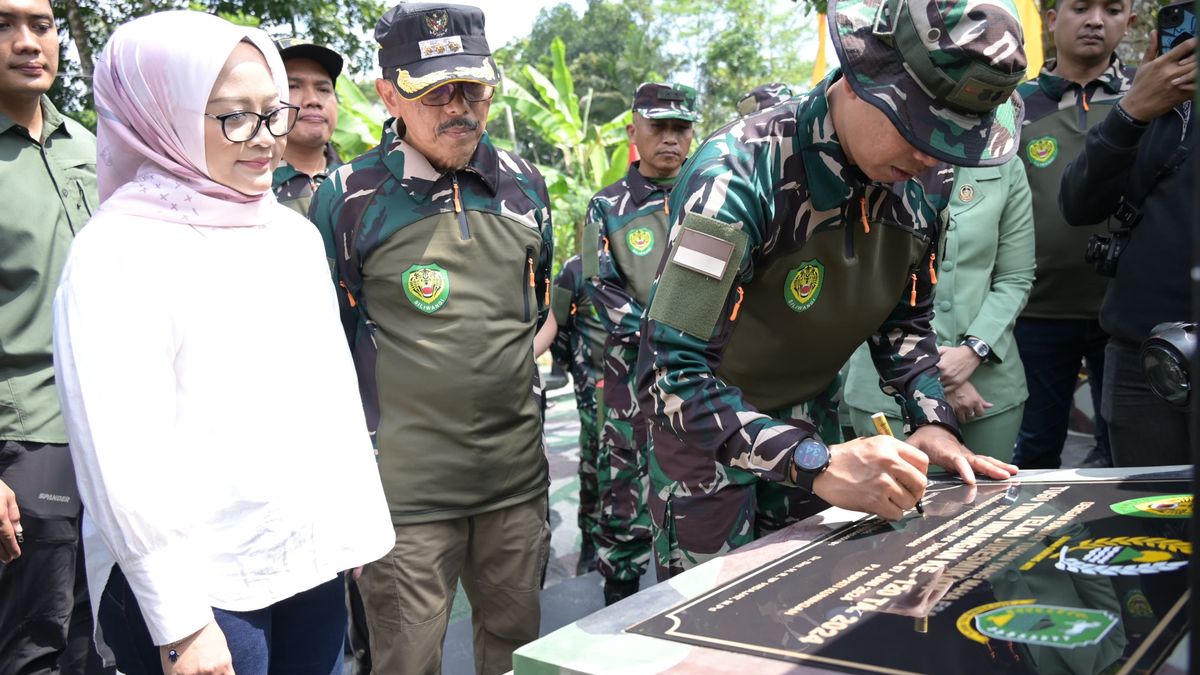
(702, 253)
(640, 240)
(427, 287)
(803, 285)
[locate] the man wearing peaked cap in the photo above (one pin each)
(441, 246)
(628, 221)
(312, 72)
(427, 44)
(799, 232)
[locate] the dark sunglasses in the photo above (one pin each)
(472, 92)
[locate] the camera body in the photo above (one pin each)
(1176, 23)
(1103, 252)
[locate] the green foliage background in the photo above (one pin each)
(567, 86)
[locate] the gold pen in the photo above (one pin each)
(884, 429)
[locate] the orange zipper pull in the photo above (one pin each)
(606, 244)
(932, 271)
(862, 202)
(457, 201)
(737, 305)
(912, 299)
(1083, 95)
(530, 261)
(667, 207)
(573, 308)
(349, 295)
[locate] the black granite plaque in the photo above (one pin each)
(1063, 577)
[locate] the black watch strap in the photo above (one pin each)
(810, 459)
(981, 348)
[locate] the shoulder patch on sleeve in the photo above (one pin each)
(700, 270)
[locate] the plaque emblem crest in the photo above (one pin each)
(1046, 625)
(438, 23)
(1163, 506)
(427, 287)
(803, 285)
(640, 240)
(1124, 556)
(1042, 151)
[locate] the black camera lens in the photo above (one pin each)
(1170, 17)
(1097, 248)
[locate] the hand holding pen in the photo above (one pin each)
(884, 429)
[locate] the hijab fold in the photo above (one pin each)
(152, 85)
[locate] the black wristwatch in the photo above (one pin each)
(811, 458)
(978, 346)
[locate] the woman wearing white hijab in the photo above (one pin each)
(211, 404)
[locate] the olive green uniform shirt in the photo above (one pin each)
(49, 190)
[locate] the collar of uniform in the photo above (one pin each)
(285, 172)
(640, 187)
(1113, 79)
(52, 120)
(419, 178)
(830, 176)
(332, 161)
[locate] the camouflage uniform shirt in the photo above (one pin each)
(294, 189)
(579, 344)
(630, 217)
(442, 281)
(817, 260)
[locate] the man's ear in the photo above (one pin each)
(389, 96)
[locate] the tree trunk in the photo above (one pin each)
(79, 35)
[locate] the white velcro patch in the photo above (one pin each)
(440, 46)
(702, 253)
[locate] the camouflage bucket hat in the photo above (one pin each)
(665, 102)
(763, 96)
(423, 45)
(943, 71)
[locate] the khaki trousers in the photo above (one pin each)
(408, 593)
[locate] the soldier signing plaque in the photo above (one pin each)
(1032, 577)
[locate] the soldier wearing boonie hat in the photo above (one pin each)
(441, 246)
(799, 232)
(943, 71)
(309, 156)
(763, 96)
(629, 221)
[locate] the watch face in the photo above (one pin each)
(812, 455)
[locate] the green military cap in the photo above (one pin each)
(665, 102)
(943, 71)
(763, 96)
(297, 48)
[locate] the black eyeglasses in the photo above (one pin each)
(473, 92)
(240, 126)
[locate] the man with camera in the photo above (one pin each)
(1135, 171)
(1058, 329)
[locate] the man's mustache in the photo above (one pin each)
(469, 125)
